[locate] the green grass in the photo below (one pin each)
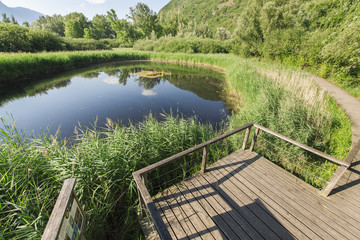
(33, 170)
(102, 160)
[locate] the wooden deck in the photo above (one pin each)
(245, 196)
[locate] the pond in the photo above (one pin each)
(116, 91)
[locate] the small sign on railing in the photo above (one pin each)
(67, 219)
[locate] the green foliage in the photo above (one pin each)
(78, 44)
(75, 23)
(32, 171)
(5, 19)
(44, 41)
(13, 38)
(184, 45)
(54, 24)
(216, 13)
(172, 22)
(222, 34)
(144, 19)
(125, 31)
(102, 27)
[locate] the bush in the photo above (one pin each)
(14, 38)
(184, 45)
(114, 43)
(79, 44)
(44, 41)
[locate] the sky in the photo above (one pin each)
(89, 7)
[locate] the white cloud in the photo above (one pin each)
(148, 93)
(96, 1)
(111, 80)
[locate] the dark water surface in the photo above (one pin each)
(113, 91)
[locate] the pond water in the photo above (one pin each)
(113, 91)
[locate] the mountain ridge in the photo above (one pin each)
(21, 14)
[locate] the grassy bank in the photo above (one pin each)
(32, 170)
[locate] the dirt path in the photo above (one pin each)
(349, 184)
(350, 104)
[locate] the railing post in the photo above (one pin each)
(254, 139)
(246, 138)
(340, 170)
(333, 180)
(141, 202)
(145, 180)
(204, 158)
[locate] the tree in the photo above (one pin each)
(88, 33)
(171, 23)
(125, 31)
(54, 24)
(75, 23)
(26, 24)
(222, 34)
(5, 19)
(13, 21)
(144, 18)
(102, 27)
(248, 31)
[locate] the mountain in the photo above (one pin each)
(217, 13)
(21, 14)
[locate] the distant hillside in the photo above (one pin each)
(21, 14)
(217, 13)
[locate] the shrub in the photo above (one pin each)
(79, 44)
(184, 45)
(14, 38)
(44, 41)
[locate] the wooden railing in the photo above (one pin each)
(67, 220)
(140, 176)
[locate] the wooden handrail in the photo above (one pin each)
(191, 150)
(150, 205)
(140, 176)
(310, 149)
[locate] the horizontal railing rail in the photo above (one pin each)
(141, 180)
(303, 146)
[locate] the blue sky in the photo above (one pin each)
(88, 7)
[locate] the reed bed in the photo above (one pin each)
(33, 169)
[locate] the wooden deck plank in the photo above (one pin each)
(207, 203)
(330, 207)
(181, 214)
(245, 196)
(327, 217)
(170, 216)
(281, 190)
(204, 217)
(239, 219)
(285, 217)
(267, 225)
(222, 208)
(195, 215)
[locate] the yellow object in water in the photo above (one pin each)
(151, 74)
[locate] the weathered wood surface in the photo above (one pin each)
(245, 196)
(53, 226)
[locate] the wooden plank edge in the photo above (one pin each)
(53, 225)
(153, 211)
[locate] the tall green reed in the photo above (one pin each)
(102, 160)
